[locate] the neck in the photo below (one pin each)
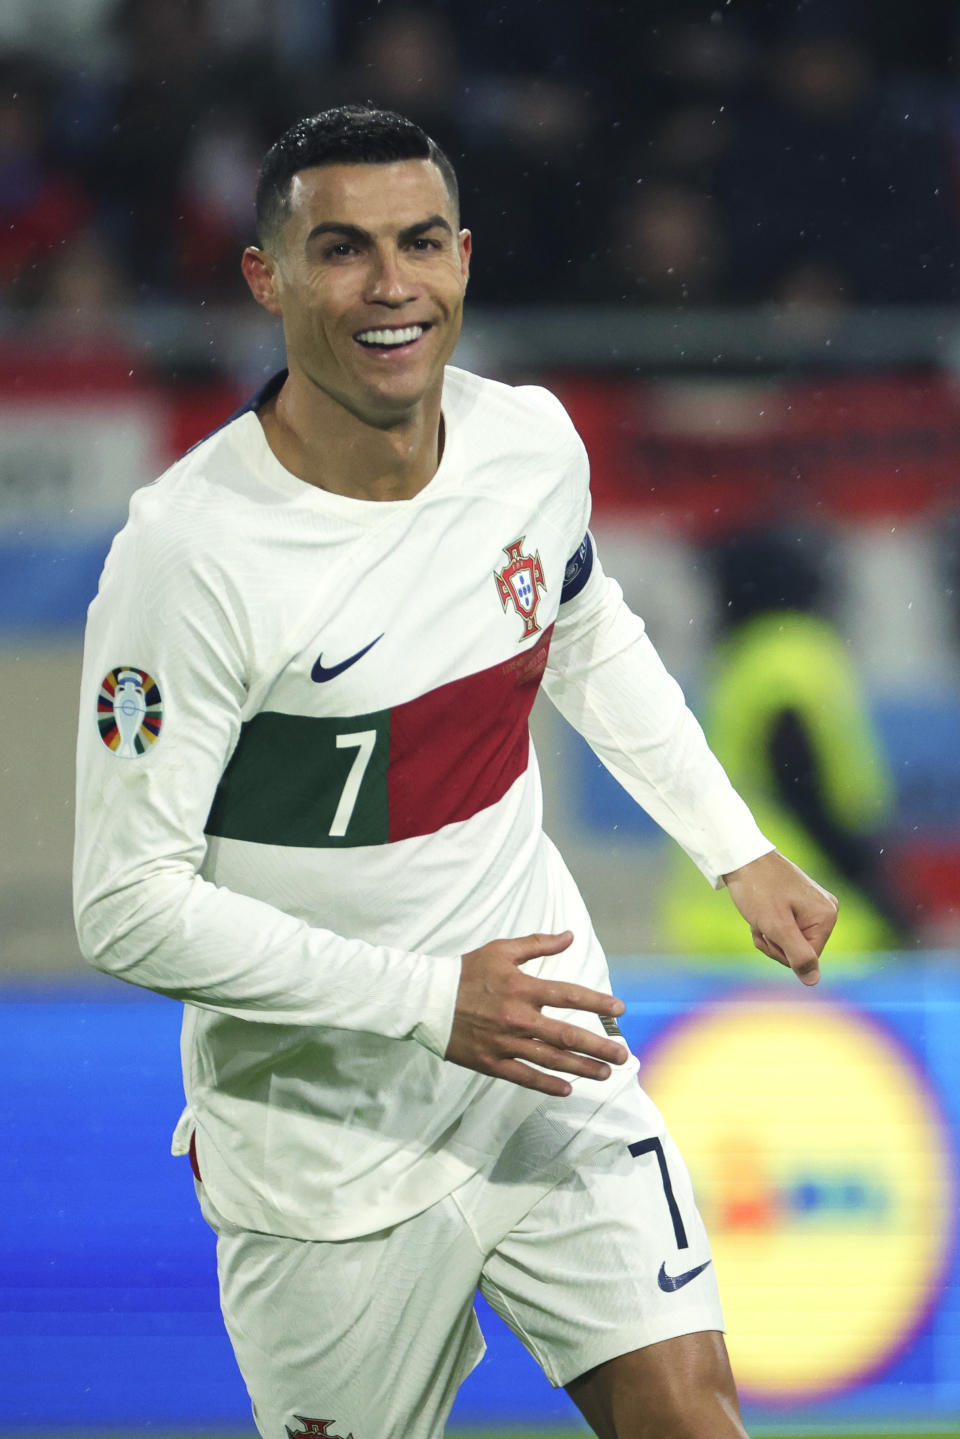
(325, 444)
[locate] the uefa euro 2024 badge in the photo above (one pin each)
(129, 711)
(521, 581)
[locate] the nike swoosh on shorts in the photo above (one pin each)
(669, 1284)
(321, 674)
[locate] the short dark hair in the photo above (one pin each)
(347, 135)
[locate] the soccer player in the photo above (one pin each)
(404, 1075)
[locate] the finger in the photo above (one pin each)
(534, 946)
(765, 946)
(817, 936)
(527, 1078)
(801, 956)
(809, 972)
(820, 931)
(563, 1060)
(795, 951)
(555, 994)
(573, 1039)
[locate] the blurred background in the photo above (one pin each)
(727, 236)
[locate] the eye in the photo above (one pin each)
(424, 243)
(342, 250)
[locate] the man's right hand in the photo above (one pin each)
(498, 1023)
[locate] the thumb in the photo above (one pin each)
(792, 947)
(534, 946)
(804, 962)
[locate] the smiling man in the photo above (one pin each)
(367, 266)
(404, 1076)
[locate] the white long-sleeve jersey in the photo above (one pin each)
(306, 788)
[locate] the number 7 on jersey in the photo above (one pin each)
(364, 742)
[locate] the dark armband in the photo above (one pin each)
(578, 570)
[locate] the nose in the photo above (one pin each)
(389, 282)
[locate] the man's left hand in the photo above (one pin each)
(791, 917)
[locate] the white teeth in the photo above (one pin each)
(390, 337)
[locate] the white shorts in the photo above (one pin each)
(585, 1257)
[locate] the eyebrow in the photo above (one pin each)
(360, 236)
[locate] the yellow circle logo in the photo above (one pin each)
(823, 1171)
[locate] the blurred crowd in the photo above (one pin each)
(664, 152)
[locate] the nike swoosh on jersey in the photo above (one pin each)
(321, 674)
(669, 1284)
(286, 777)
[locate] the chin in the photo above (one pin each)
(382, 410)
(400, 399)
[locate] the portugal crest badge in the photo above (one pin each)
(313, 1426)
(519, 583)
(129, 711)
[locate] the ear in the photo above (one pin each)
(259, 271)
(465, 241)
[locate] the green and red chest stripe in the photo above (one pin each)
(389, 775)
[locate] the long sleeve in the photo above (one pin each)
(607, 680)
(167, 631)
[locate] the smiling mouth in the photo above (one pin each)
(390, 339)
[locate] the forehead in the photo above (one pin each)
(375, 197)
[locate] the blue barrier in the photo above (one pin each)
(48, 582)
(108, 1307)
